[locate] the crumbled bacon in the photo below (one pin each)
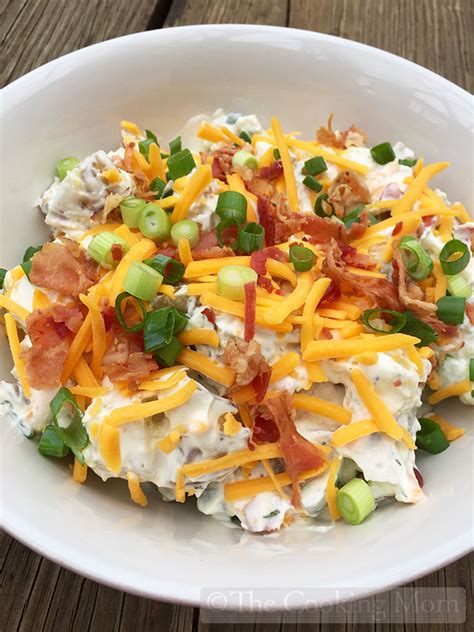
(125, 359)
(352, 137)
(266, 218)
(222, 161)
(333, 293)
(411, 296)
(397, 228)
(246, 359)
(250, 311)
(380, 290)
(258, 259)
(117, 252)
(274, 171)
(210, 315)
(50, 331)
(260, 187)
(347, 191)
(260, 384)
(213, 253)
(470, 312)
(319, 229)
(352, 257)
(169, 251)
(63, 267)
(129, 164)
(357, 229)
(264, 431)
(299, 454)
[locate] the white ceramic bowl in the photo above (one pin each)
(72, 106)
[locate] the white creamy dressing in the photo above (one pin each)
(396, 380)
(70, 204)
(202, 438)
(29, 414)
(453, 368)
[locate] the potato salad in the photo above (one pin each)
(244, 320)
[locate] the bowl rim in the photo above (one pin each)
(189, 593)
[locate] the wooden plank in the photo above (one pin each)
(184, 12)
(433, 33)
(34, 31)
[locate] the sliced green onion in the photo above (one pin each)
(244, 136)
(451, 309)
(144, 147)
(152, 136)
(185, 229)
(431, 438)
(302, 258)
(3, 273)
(312, 183)
(397, 320)
(51, 443)
(67, 417)
(26, 263)
(167, 355)
(142, 281)
(458, 286)
(180, 164)
(101, 248)
(415, 257)
(471, 370)
(160, 326)
(276, 154)
(232, 205)
(65, 165)
(353, 216)
(323, 208)
(130, 209)
(355, 501)
(419, 329)
(120, 315)
(221, 226)
(455, 246)
(154, 222)
(231, 281)
(171, 270)
(251, 238)
(315, 166)
(158, 329)
(175, 145)
(244, 158)
(383, 153)
(408, 162)
(157, 185)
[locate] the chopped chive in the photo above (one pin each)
(302, 258)
(396, 320)
(458, 286)
(244, 158)
(355, 501)
(408, 162)
(175, 145)
(168, 355)
(142, 281)
(73, 434)
(3, 273)
(157, 185)
(232, 205)
(65, 165)
(231, 281)
(251, 238)
(154, 222)
(315, 166)
(430, 437)
(101, 249)
(180, 164)
(131, 329)
(151, 136)
(415, 257)
(244, 136)
(51, 443)
(185, 229)
(130, 208)
(451, 309)
(383, 153)
(323, 208)
(276, 154)
(171, 270)
(454, 247)
(312, 183)
(144, 147)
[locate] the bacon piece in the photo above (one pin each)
(49, 330)
(266, 218)
(274, 171)
(321, 230)
(222, 161)
(250, 310)
(117, 252)
(347, 191)
(266, 284)
(470, 312)
(64, 267)
(333, 293)
(299, 454)
(352, 137)
(169, 251)
(380, 290)
(213, 253)
(412, 298)
(246, 359)
(357, 229)
(260, 384)
(258, 259)
(125, 359)
(264, 431)
(352, 257)
(210, 315)
(207, 240)
(261, 187)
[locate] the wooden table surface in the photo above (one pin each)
(36, 594)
